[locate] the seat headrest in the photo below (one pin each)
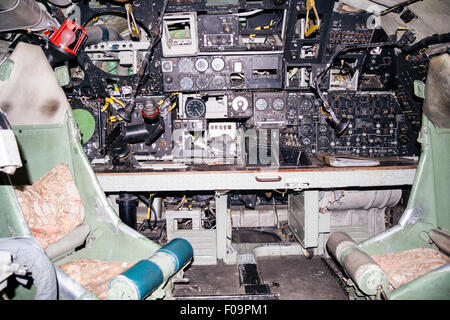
(437, 92)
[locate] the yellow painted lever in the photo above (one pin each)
(310, 4)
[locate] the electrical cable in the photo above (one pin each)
(425, 42)
(142, 76)
(162, 229)
(276, 211)
(155, 35)
(149, 204)
(248, 13)
(341, 124)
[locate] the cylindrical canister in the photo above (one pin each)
(146, 276)
(128, 209)
(365, 272)
(361, 268)
(339, 244)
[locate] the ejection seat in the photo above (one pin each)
(411, 259)
(46, 133)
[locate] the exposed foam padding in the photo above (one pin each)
(406, 266)
(94, 275)
(52, 205)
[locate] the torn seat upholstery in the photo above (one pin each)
(94, 275)
(54, 212)
(406, 266)
(52, 205)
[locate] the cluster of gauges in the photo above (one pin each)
(186, 66)
(261, 104)
(196, 107)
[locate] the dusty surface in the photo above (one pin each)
(217, 279)
(292, 277)
(298, 278)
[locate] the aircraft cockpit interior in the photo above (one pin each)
(224, 150)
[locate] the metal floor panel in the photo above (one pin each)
(289, 278)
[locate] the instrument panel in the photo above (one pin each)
(377, 126)
(243, 65)
(205, 73)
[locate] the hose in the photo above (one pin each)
(99, 33)
(7, 4)
(425, 42)
(28, 252)
(60, 3)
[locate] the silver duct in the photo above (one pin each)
(28, 252)
(24, 15)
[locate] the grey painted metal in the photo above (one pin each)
(203, 242)
(303, 217)
(442, 239)
(255, 180)
(221, 225)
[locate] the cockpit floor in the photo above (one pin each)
(291, 277)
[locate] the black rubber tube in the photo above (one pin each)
(425, 42)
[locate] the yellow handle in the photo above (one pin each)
(310, 4)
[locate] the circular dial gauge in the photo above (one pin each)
(217, 64)
(324, 141)
(218, 82)
(186, 83)
(306, 105)
(201, 65)
(195, 108)
(202, 82)
(167, 66)
(261, 104)
(278, 104)
(185, 65)
(306, 130)
(306, 141)
(240, 103)
(337, 104)
(292, 113)
(323, 128)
